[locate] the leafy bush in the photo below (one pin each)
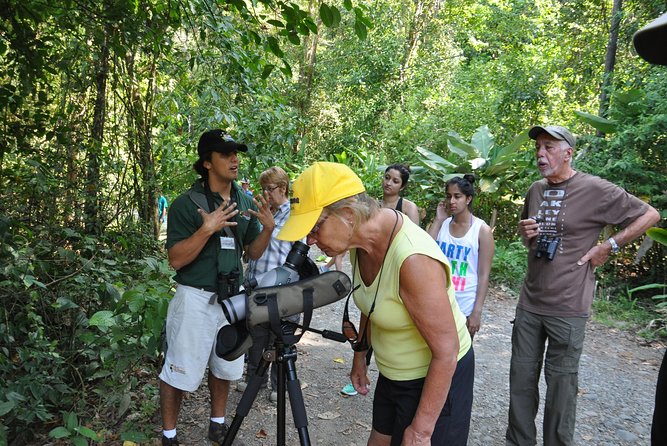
(77, 312)
(509, 264)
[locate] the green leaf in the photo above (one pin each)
(59, 432)
(457, 145)
(489, 185)
(88, 433)
(602, 124)
(360, 29)
(310, 24)
(293, 37)
(347, 4)
(286, 70)
(433, 161)
(29, 280)
(326, 15)
(658, 234)
(513, 147)
(302, 29)
(6, 406)
(650, 286)
(628, 97)
(498, 168)
(71, 420)
(483, 140)
(267, 70)
(102, 319)
(274, 46)
(79, 441)
(276, 23)
(63, 303)
(335, 16)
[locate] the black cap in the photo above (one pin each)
(218, 141)
(651, 41)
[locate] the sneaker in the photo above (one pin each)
(169, 441)
(348, 390)
(273, 397)
(217, 432)
(242, 385)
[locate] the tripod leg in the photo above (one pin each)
(280, 420)
(246, 401)
(296, 401)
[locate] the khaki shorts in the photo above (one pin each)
(192, 326)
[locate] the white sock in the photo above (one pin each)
(171, 433)
(219, 420)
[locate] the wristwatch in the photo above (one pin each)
(614, 246)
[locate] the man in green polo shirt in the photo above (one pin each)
(209, 228)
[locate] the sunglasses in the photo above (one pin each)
(317, 226)
(349, 330)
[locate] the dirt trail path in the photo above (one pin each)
(616, 380)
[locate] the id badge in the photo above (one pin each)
(227, 243)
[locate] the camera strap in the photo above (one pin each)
(274, 316)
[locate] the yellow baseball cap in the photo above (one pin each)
(318, 186)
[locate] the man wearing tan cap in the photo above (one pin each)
(561, 221)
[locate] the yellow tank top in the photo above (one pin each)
(400, 351)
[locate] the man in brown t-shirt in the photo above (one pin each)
(561, 221)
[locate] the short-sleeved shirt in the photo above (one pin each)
(162, 204)
(575, 211)
(401, 353)
(184, 220)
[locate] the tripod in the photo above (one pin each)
(284, 354)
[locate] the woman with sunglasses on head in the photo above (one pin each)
(467, 241)
(409, 312)
(394, 182)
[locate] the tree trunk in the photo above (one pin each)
(140, 142)
(91, 208)
(306, 74)
(610, 59)
(424, 11)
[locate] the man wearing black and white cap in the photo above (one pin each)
(651, 44)
(209, 228)
(561, 221)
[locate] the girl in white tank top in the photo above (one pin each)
(468, 243)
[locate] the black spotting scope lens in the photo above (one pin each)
(297, 255)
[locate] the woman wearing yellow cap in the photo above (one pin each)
(409, 312)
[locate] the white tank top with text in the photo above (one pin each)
(463, 254)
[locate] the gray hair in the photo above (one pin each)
(363, 207)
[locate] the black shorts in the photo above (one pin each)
(395, 404)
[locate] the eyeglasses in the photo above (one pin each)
(269, 189)
(350, 331)
(317, 226)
